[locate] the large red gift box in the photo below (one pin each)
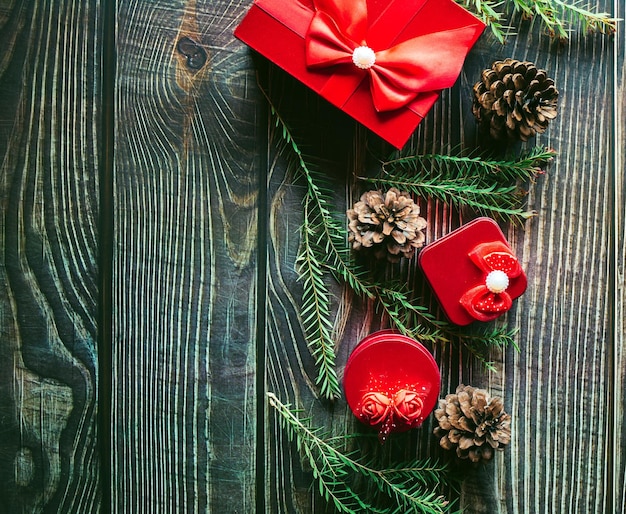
(383, 62)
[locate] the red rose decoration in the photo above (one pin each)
(407, 407)
(375, 408)
(402, 411)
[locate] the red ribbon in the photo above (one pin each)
(378, 409)
(482, 303)
(430, 62)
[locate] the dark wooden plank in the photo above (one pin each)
(185, 263)
(50, 148)
(558, 385)
(618, 429)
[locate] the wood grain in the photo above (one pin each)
(49, 150)
(205, 293)
(185, 186)
(558, 386)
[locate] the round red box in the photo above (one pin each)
(387, 368)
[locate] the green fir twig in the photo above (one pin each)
(405, 487)
(487, 186)
(319, 233)
(555, 15)
(488, 13)
(315, 313)
(526, 166)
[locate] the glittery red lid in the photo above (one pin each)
(458, 268)
(391, 382)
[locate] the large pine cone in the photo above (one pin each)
(514, 100)
(473, 423)
(388, 223)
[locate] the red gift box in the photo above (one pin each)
(473, 272)
(382, 62)
(391, 382)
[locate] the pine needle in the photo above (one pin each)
(555, 15)
(409, 487)
(527, 166)
(487, 186)
(487, 12)
(318, 232)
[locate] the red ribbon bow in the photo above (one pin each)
(405, 408)
(489, 300)
(429, 62)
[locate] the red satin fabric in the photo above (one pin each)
(480, 302)
(425, 63)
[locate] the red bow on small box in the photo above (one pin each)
(490, 299)
(403, 410)
(339, 34)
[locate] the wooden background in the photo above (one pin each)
(148, 298)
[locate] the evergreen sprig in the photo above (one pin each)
(555, 15)
(488, 13)
(488, 186)
(411, 487)
(484, 339)
(319, 233)
(526, 166)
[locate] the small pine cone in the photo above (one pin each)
(473, 423)
(514, 100)
(389, 224)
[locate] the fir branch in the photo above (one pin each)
(486, 11)
(323, 249)
(417, 322)
(412, 486)
(315, 313)
(498, 201)
(556, 15)
(482, 184)
(591, 21)
(323, 246)
(480, 342)
(526, 166)
(316, 236)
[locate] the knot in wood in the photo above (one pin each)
(195, 54)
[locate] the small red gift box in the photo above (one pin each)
(473, 272)
(391, 382)
(382, 62)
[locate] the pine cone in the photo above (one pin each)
(473, 422)
(389, 224)
(514, 100)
